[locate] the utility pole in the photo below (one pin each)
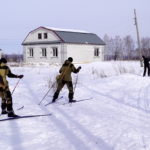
(138, 38)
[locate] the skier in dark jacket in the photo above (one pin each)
(146, 65)
(65, 78)
(5, 94)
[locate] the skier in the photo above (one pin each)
(5, 94)
(146, 65)
(65, 78)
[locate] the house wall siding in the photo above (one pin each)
(37, 57)
(84, 53)
(33, 36)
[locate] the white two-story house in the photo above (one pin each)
(56, 45)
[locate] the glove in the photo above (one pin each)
(79, 67)
(20, 76)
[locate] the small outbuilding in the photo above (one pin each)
(56, 45)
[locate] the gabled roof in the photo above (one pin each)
(74, 36)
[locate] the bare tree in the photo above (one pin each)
(128, 46)
(108, 47)
(145, 46)
(118, 48)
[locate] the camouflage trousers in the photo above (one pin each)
(6, 97)
(60, 85)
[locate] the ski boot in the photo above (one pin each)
(55, 97)
(12, 114)
(54, 100)
(72, 101)
(4, 112)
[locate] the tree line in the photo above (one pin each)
(125, 48)
(13, 57)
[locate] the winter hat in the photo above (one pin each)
(70, 59)
(3, 60)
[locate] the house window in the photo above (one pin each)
(96, 52)
(44, 52)
(55, 52)
(31, 52)
(45, 35)
(39, 36)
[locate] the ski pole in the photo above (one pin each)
(75, 83)
(15, 86)
(61, 77)
(46, 93)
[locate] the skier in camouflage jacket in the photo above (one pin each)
(65, 78)
(5, 94)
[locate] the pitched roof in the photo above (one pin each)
(73, 36)
(79, 37)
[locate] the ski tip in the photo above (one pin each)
(48, 104)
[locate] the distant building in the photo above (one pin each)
(56, 45)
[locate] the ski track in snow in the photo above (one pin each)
(117, 118)
(68, 133)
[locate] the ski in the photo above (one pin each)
(86, 99)
(53, 102)
(21, 117)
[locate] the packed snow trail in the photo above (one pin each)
(117, 118)
(75, 141)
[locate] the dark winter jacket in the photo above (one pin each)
(146, 61)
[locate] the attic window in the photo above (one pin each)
(45, 35)
(39, 36)
(96, 52)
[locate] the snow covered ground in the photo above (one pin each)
(117, 118)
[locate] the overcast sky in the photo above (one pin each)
(112, 17)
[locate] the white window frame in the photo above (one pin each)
(45, 35)
(44, 52)
(55, 51)
(31, 52)
(96, 52)
(40, 34)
